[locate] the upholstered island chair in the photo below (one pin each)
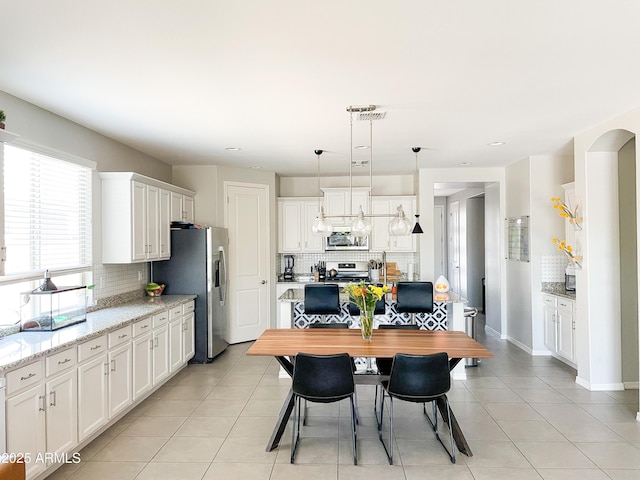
(321, 299)
(414, 297)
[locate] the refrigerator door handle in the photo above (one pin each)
(223, 282)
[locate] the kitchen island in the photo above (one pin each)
(448, 314)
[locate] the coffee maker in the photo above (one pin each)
(287, 275)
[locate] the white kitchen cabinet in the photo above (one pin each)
(136, 215)
(62, 412)
(160, 345)
(380, 239)
(559, 327)
(338, 200)
(93, 389)
(120, 378)
(188, 338)
(295, 219)
(176, 328)
(164, 223)
(142, 350)
(182, 207)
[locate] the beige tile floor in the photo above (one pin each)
(524, 417)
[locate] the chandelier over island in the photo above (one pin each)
(361, 224)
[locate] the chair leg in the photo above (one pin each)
(452, 454)
(388, 451)
(304, 419)
(295, 426)
(354, 432)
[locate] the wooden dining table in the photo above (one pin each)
(285, 343)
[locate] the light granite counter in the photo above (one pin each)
(24, 347)
(557, 289)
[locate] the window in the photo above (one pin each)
(47, 213)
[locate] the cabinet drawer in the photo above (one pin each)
(120, 336)
(92, 348)
(175, 312)
(160, 319)
(188, 307)
(59, 362)
(550, 301)
(24, 377)
(565, 304)
(142, 326)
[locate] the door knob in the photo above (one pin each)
(263, 282)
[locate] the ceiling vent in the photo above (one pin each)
(366, 116)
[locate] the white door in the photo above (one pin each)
(454, 247)
(247, 219)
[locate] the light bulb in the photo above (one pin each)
(360, 227)
(322, 225)
(400, 225)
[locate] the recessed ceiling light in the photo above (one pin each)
(465, 163)
(255, 167)
(361, 147)
(495, 144)
(233, 149)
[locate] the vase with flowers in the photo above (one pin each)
(565, 211)
(365, 296)
(568, 250)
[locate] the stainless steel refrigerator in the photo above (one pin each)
(198, 265)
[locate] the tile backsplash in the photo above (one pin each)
(111, 280)
(553, 267)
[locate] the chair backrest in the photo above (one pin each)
(384, 364)
(415, 297)
(328, 325)
(418, 377)
(321, 299)
(323, 378)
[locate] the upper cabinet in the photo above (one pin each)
(136, 216)
(338, 200)
(182, 207)
(380, 239)
(295, 219)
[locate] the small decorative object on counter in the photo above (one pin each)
(365, 297)
(441, 285)
(567, 212)
(154, 290)
(568, 249)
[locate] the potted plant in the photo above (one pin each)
(3, 117)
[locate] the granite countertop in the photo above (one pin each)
(24, 347)
(293, 295)
(557, 288)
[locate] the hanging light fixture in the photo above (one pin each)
(417, 229)
(321, 225)
(400, 224)
(361, 225)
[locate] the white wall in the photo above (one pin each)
(493, 258)
(518, 286)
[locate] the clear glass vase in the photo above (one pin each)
(366, 324)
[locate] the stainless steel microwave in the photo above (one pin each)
(341, 239)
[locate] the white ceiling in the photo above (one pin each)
(183, 80)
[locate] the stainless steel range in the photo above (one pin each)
(346, 272)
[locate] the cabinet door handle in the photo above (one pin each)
(42, 407)
(156, 342)
(66, 360)
(106, 369)
(144, 326)
(52, 393)
(96, 347)
(120, 337)
(31, 375)
(150, 344)
(113, 365)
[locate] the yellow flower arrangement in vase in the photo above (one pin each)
(568, 249)
(567, 212)
(365, 297)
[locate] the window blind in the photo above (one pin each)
(47, 213)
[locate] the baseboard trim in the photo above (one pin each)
(631, 385)
(519, 344)
(494, 333)
(599, 387)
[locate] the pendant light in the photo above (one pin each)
(361, 225)
(321, 225)
(400, 224)
(417, 229)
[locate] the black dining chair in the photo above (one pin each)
(414, 297)
(384, 364)
(321, 299)
(418, 379)
(323, 379)
(353, 363)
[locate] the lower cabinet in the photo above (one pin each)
(57, 402)
(176, 328)
(560, 327)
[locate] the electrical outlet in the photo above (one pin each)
(139, 275)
